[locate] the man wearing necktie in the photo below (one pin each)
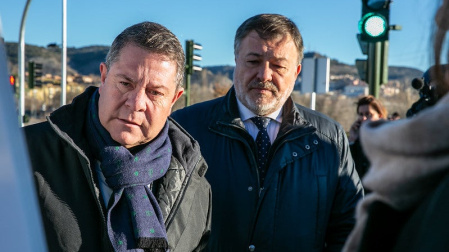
(263, 144)
(282, 176)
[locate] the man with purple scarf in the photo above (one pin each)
(113, 172)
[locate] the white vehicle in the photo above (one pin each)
(20, 220)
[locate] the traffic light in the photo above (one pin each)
(12, 82)
(362, 66)
(190, 67)
(34, 74)
(191, 56)
(374, 24)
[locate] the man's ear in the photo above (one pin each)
(103, 74)
(298, 69)
(179, 91)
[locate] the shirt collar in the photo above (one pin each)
(246, 114)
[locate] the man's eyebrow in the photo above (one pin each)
(253, 54)
(126, 77)
(260, 55)
(280, 59)
(158, 87)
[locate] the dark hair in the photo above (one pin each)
(154, 38)
(269, 26)
(373, 102)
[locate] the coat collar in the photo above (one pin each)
(292, 115)
(70, 118)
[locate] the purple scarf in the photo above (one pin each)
(134, 219)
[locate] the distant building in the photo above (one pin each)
(81, 79)
(390, 91)
(392, 88)
(356, 90)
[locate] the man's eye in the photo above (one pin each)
(252, 62)
(279, 68)
(156, 93)
(124, 86)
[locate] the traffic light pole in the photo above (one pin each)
(189, 71)
(187, 89)
(190, 67)
(21, 62)
(374, 59)
(64, 54)
(377, 72)
(384, 62)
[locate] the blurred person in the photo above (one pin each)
(394, 116)
(408, 207)
(429, 93)
(112, 173)
(282, 175)
(368, 109)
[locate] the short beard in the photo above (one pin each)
(256, 106)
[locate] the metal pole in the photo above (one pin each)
(384, 63)
(21, 60)
(312, 100)
(374, 59)
(64, 53)
(315, 77)
(187, 90)
(189, 70)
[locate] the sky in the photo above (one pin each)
(328, 27)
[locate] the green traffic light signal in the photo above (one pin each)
(373, 25)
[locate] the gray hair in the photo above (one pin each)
(269, 26)
(154, 38)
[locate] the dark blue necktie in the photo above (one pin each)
(263, 144)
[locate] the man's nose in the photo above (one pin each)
(265, 72)
(137, 100)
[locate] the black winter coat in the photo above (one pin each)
(311, 187)
(361, 161)
(72, 208)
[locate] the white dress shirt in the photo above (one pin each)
(273, 126)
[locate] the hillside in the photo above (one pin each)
(214, 81)
(86, 60)
(82, 61)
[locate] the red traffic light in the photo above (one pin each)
(12, 80)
